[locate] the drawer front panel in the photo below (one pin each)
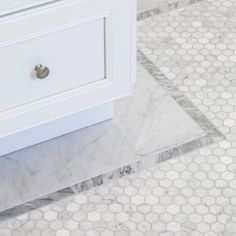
(75, 57)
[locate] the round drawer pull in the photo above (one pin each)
(42, 72)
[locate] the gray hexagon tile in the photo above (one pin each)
(192, 195)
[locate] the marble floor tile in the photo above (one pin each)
(193, 194)
(144, 126)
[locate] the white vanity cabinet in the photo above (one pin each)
(62, 64)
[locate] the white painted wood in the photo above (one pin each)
(70, 54)
(89, 46)
(55, 128)
(11, 6)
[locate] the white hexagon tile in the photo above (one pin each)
(191, 195)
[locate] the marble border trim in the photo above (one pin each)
(179, 97)
(212, 136)
(165, 8)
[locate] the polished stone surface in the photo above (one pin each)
(147, 123)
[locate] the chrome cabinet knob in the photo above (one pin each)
(42, 72)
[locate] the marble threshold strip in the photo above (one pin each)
(212, 136)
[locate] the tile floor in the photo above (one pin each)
(194, 194)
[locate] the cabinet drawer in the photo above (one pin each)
(88, 47)
(75, 57)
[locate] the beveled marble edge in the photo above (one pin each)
(212, 135)
(167, 7)
(101, 179)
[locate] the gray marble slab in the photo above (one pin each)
(145, 124)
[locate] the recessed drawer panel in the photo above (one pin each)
(74, 56)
